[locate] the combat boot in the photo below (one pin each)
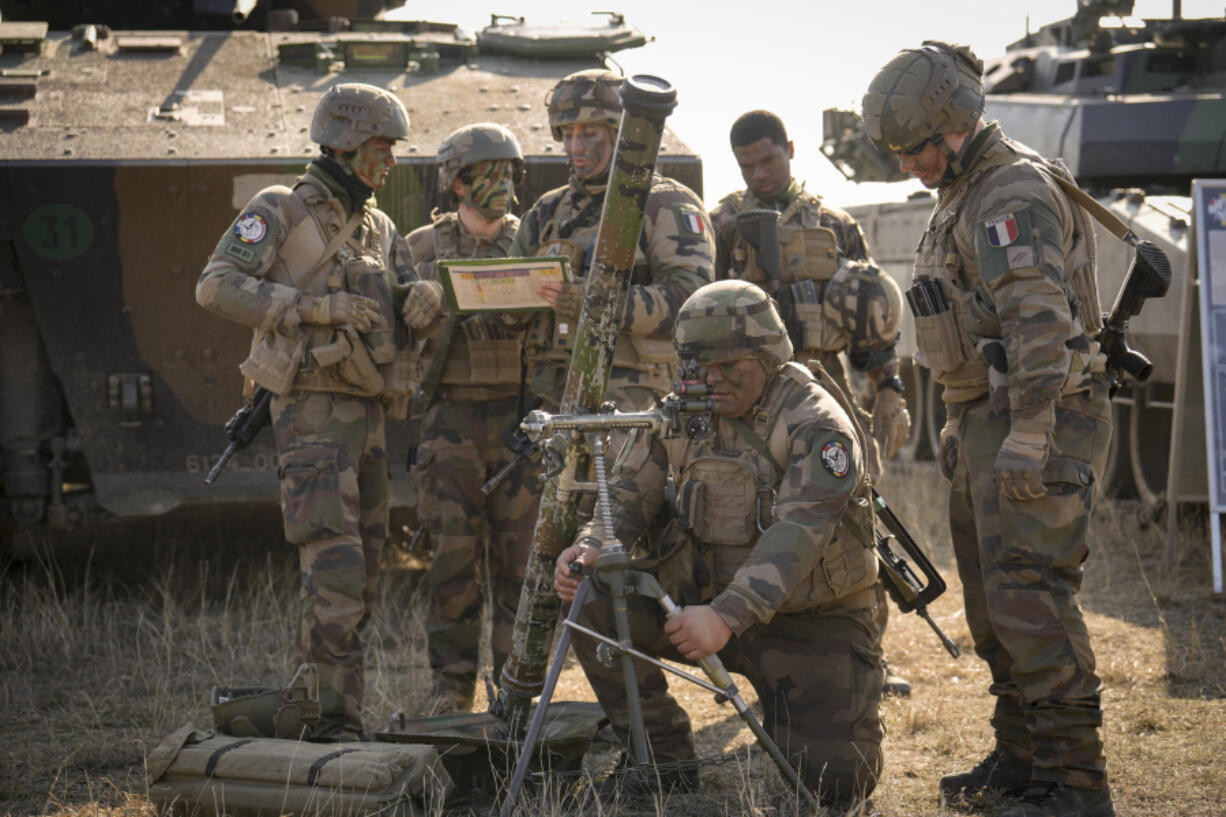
(1046, 799)
(997, 772)
(894, 684)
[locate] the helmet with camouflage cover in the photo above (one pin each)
(934, 89)
(352, 112)
(727, 320)
(289, 713)
(585, 96)
(484, 141)
(866, 304)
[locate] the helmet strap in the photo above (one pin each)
(953, 161)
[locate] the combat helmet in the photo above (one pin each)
(290, 713)
(727, 320)
(865, 304)
(921, 93)
(352, 112)
(484, 141)
(585, 96)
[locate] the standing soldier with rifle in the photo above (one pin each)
(321, 275)
(675, 255)
(1007, 319)
(813, 260)
(471, 394)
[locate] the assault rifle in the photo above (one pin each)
(243, 427)
(899, 577)
(1149, 276)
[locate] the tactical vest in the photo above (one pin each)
(318, 257)
(481, 354)
(725, 500)
(571, 233)
(961, 320)
(805, 253)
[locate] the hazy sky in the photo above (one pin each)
(795, 57)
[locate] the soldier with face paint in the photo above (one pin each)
(770, 515)
(470, 374)
(675, 255)
(320, 274)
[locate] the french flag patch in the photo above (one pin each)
(689, 220)
(1001, 231)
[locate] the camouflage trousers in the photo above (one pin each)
(461, 447)
(1021, 566)
(334, 499)
(818, 676)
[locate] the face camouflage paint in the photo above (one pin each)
(492, 190)
(372, 160)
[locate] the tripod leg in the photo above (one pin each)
(542, 705)
(634, 705)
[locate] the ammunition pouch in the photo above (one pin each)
(483, 353)
(805, 254)
(940, 340)
(274, 360)
(353, 362)
(718, 500)
(290, 713)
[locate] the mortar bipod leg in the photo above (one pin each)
(528, 749)
(647, 585)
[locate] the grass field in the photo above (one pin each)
(102, 655)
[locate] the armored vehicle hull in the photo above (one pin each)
(125, 155)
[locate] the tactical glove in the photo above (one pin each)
(358, 311)
(1019, 465)
(570, 299)
(947, 457)
(423, 305)
(891, 421)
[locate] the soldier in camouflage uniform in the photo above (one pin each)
(770, 513)
(675, 256)
(1007, 313)
(470, 374)
(857, 309)
(319, 274)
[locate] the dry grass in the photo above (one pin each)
(100, 658)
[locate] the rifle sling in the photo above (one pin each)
(1101, 214)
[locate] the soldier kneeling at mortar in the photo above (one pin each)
(769, 507)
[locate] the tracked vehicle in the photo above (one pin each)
(128, 140)
(1136, 109)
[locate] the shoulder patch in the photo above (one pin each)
(251, 228)
(1005, 243)
(836, 459)
(689, 220)
(239, 252)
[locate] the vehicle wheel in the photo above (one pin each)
(916, 446)
(1116, 481)
(1149, 435)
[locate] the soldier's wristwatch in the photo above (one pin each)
(894, 382)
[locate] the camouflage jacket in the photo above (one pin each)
(1014, 256)
(480, 353)
(274, 251)
(675, 256)
(768, 510)
(801, 208)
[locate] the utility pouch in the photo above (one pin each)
(274, 360)
(808, 253)
(718, 501)
(819, 333)
(936, 326)
(367, 276)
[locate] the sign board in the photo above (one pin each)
(484, 285)
(1209, 202)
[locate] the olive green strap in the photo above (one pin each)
(1101, 214)
(755, 441)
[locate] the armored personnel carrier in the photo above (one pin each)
(128, 140)
(1136, 109)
